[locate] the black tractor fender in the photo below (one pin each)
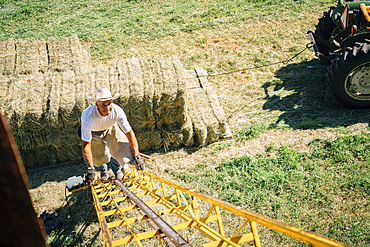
(352, 40)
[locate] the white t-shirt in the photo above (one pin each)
(91, 120)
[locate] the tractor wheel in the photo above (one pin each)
(349, 76)
(326, 29)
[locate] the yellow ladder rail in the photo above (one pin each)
(185, 209)
(294, 232)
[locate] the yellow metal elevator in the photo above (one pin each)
(187, 217)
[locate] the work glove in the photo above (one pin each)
(139, 162)
(91, 175)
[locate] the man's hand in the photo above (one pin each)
(91, 175)
(139, 162)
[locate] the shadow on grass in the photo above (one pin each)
(73, 230)
(56, 173)
(308, 104)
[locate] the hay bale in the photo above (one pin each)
(53, 53)
(217, 110)
(85, 62)
(20, 56)
(205, 111)
(102, 77)
(143, 139)
(43, 56)
(136, 101)
(76, 52)
(2, 56)
(172, 138)
(68, 91)
(156, 139)
(200, 129)
(4, 92)
(181, 99)
(53, 82)
(32, 57)
(113, 79)
(148, 93)
(169, 93)
(18, 94)
(60, 56)
(89, 82)
(123, 85)
(81, 89)
(10, 57)
(35, 84)
(64, 56)
(71, 142)
(157, 91)
(188, 132)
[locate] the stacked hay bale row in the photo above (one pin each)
(44, 113)
(42, 90)
(44, 87)
(163, 106)
(153, 96)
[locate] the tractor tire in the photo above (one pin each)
(324, 31)
(349, 76)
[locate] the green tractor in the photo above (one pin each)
(342, 37)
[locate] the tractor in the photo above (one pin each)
(342, 38)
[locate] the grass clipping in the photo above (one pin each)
(44, 91)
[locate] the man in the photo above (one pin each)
(106, 133)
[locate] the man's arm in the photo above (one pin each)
(86, 150)
(139, 162)
(133, 142)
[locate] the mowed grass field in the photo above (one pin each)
(297, 156)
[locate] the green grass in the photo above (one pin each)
(326, 191)
(118, 28)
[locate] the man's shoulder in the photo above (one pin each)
(118, 109)
(88, 112)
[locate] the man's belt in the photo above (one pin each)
(98, 132)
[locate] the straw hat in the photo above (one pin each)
(103, 94)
